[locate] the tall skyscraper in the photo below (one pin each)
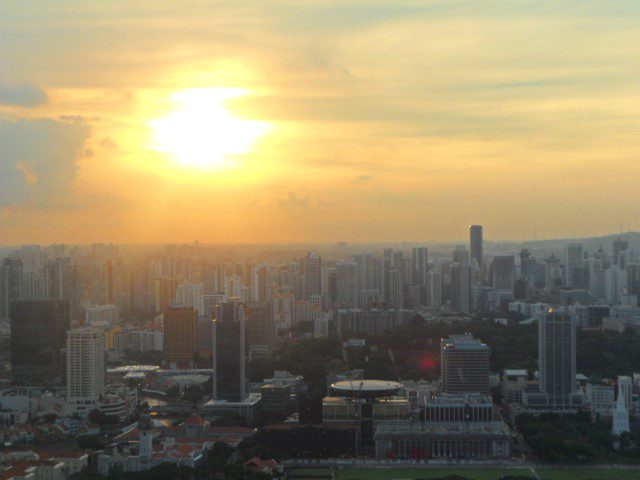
(420, 265)
(261, 329)
(347, 277)
(229, 352)
(557, 356)
(180, 334)
(460, 283)
(619, 245)
(86, 366)
(503, 273)
(464, 364)
(574, 263)
(10, 284)
(365, 271)
(476, 244)
(38, 340)
(435, 289)
(312, 269)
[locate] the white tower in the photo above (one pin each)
(145, 447)
(620, 417)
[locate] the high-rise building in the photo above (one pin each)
(191, 295)
(312, 269)
(557, 356)
(435, 289)
(261, 329)
(503, 273)
(476, 244)
(10, 284)
(86, 367)
(180, 334)
(365, 271)
(347, 289)
(619, 245)
(165, 293)
(461, 286)
(574, 263)
(229, 352)
(420, 265)
(464, 364)
(38, 340)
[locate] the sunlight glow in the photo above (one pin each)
(201, 132)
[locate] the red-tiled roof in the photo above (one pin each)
(195, 420)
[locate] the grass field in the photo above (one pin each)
(471, 473)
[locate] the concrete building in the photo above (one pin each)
(180, 334)
(229, 352)
(464, 364)
(86, 367)
(557, 356)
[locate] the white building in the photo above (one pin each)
(101, 315)
(191, 295)
(85, 364)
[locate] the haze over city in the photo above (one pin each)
(320, 240)
(317, 121)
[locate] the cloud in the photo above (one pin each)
(25, 95)
(39, 160)
(363, 178)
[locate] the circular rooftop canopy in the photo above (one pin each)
(366, 387)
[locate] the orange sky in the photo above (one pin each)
(390, 121)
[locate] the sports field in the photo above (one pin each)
(391, 473)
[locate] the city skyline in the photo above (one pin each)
(316, 122)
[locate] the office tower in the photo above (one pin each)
(86, 366)
(312, 269)
(180, 334)
(503, 273)
(557, 356)
(394, 289)
(464, 364)
(165, 293)
(229, 352)
(191, 295)
(10, 284)
(365, 271)
(461, 286)
(476, 244)
(619, 245)
(553, 277)
(615, 284)
(34, 286)
(574, 263)
(38, 340)
(259, 285)
(283, 312)
(421, 272)
(435, 289)
(347, 289)
(261, 330)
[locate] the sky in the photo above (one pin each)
(317, 121)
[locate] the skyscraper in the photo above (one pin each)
(476, 245)
(312, 268)
(421, 272)
(10, 284)
(503, 273)
(261, 329)
(38, 340)
(86, 366)
(464, 364)
(557, 356)
(461, 283)
(347, 290)
(180, 334)
(574, 263)
(229, 352)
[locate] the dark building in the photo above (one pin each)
(476, 246)
(261, 329)
(619, 245)
(557, 356)
(180, 334)
(38, 340)
(503, 272)
(229, 352)
(419, 261)
(10, 284)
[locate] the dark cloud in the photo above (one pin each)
(25, 95)
(38, 161)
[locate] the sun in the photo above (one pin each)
(201, 132)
